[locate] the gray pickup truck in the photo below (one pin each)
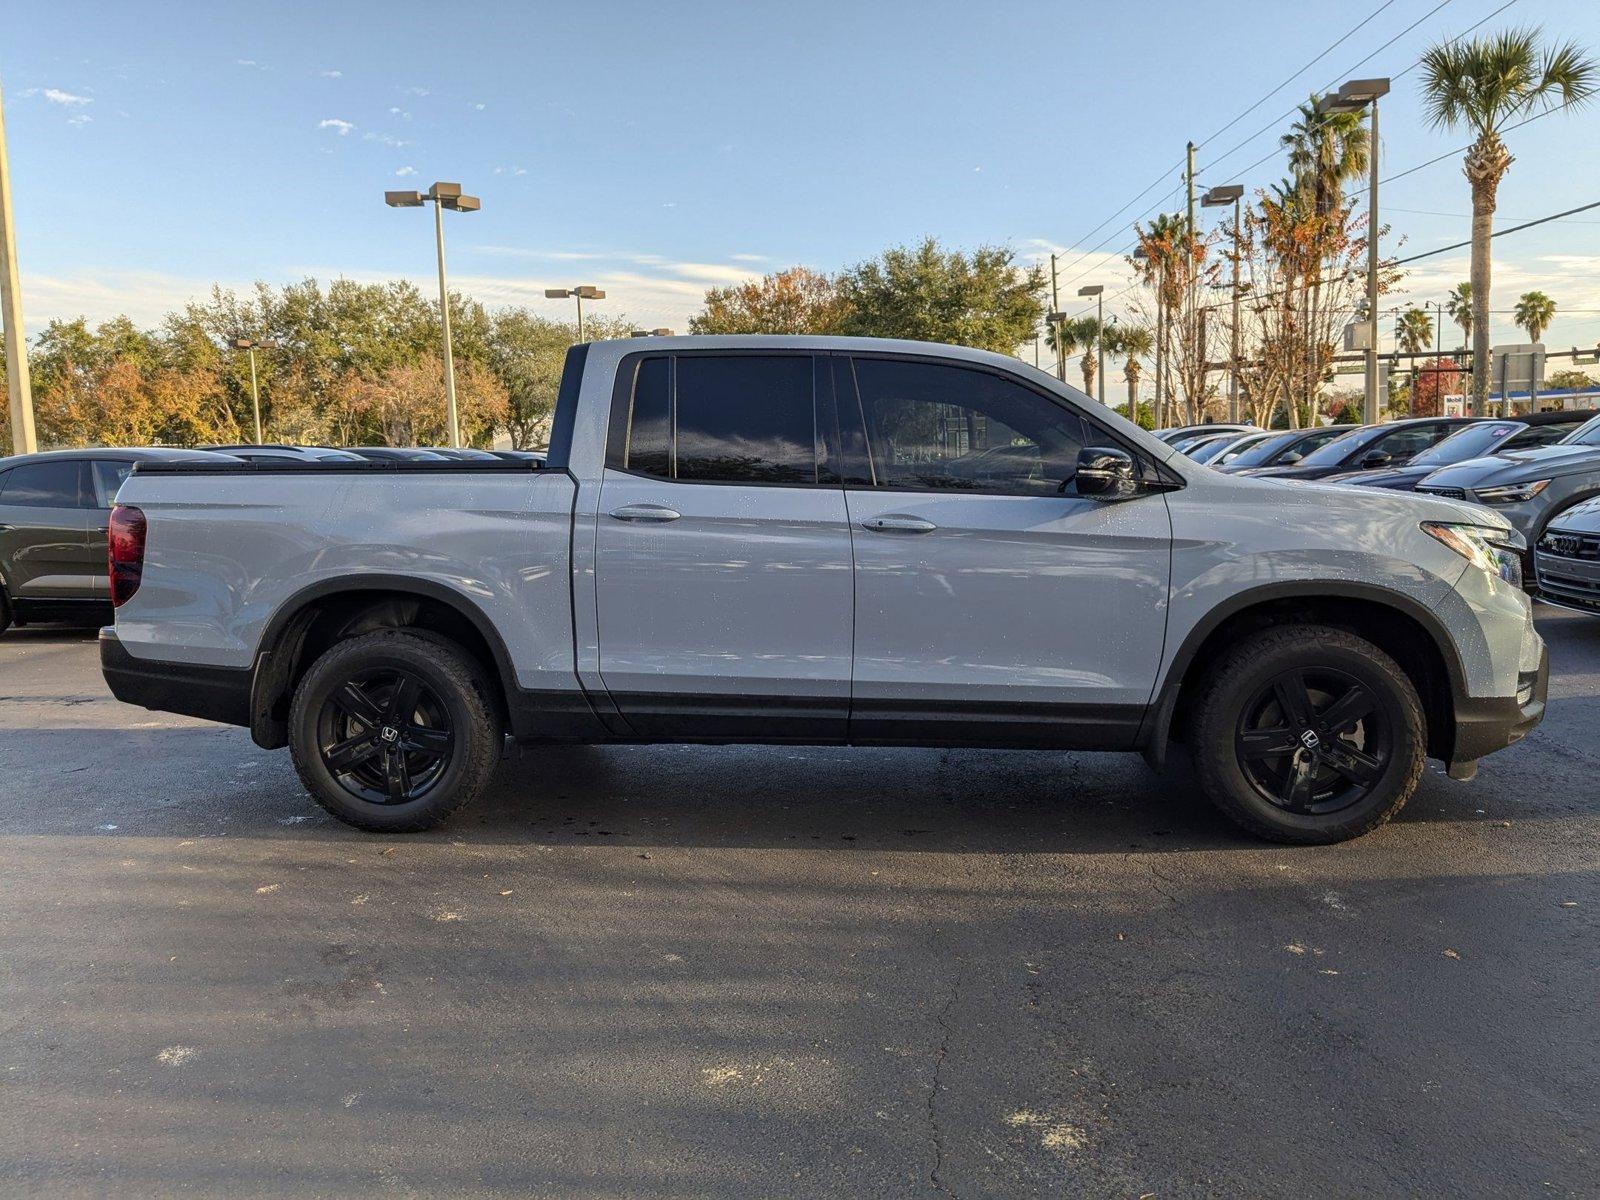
(825, 540)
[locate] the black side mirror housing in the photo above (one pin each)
(1289, 459)
(1376, 458)
(1106, 473)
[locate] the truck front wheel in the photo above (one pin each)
(1306, 733)
(394, 731)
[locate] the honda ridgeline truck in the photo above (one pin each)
(820, 541)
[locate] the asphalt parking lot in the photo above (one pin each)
(651, 972)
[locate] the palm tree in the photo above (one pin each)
(1063, 338)
(1326, 151)
(1481, 85)
(1415, 331)
(1136, 342)
(1087, 335)
(1459, 306)
(1534, 312)
(1163, 244)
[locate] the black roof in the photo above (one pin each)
(1555, 416)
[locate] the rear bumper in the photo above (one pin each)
(210, 693)
(1486, 725)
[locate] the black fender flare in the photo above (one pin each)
(1155, 732)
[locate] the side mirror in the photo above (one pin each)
(1106, 473)
(1289, 459)
(1376, 458)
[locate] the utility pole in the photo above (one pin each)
(1233, 348)
(23, 440)
(1189, 266)
(1055, 321)
(1370, 406)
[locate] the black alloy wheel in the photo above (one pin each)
(1314, 740)
(385, 736)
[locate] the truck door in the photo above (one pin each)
(993, 604)
(722, 556)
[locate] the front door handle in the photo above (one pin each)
(645, 512)
(898, 523)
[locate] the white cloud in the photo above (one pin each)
(251, 63)
(479, 106)
(57, 96)
(384, 139)
(79, 119)
(399, 112)
(417, 91)
(331, 74)
(404, 172)
(343, 128)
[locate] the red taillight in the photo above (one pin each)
(125, 552)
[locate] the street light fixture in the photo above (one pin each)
(580, 294)
(443, 195)
(651, 333)
(1353, 96)
(1098, 292)
(252, 345)
(1217, 197)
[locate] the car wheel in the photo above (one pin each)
(5, 611)
(394, 731)
(1308, 734)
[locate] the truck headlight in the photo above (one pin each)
(1495, 550)
(1513, 493)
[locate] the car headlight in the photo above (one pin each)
(1495, 550)
(1512, 493)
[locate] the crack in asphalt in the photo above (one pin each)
(937, 1083)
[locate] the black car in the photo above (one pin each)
(1368, 448)
(1498, 436)
(53, 513)
(1285, 448)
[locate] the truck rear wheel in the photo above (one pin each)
(394, 731)
(1308, 734)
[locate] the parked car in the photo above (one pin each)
(1567, 559)
(1285, 447)
(396, 454)
(1470, 441)
(53, 513)
(1223, 445)
(1368, 448)
(528, 456)
(462, 453)
(1177, 433)
(1528, 488)
(848, 561)
(281, 453)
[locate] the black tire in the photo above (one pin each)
(5, 611)
(1275, 751)
(405, 770)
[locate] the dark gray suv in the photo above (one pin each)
(53, 512)
(1528, 487)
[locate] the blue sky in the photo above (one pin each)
(661, 149)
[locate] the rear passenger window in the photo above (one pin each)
(719, 419)
(108, 477)
(44, 485)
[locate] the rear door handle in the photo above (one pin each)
(645, 512)
(898, 523)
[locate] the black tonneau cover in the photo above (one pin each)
(326, 466)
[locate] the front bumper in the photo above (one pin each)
(211, 693)
(1486, 725)
(1567, 581)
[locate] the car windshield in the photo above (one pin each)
(1332, 453)
(1473, 441)
(1264, 449)
(1209, 450)
(1584, 435)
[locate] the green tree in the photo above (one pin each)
(983, 299)
(798, 300)
(1134, 342)
(1569, 378)
(1481, 85)
(1415, 331)
(1534, 312)
(1458, 305)
(1326, 151)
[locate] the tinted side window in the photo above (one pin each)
(937, 427)
(44, 485)
(719, 419)
(108, 477)
(1403, 443)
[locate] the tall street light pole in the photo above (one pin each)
(244, 343)
(1231, 193)
(1055, 318)
(443, 196)
(1353, 96)
(1098, 292)
(580, 294)
(23, 440)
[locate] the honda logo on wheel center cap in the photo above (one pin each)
(389, 733)
(1308, 739)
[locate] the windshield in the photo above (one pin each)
(1212, 448)
(1263, 450)
(1584, 435)
(1474, 441)
(1332, 453)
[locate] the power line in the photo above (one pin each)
(1498, 233)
